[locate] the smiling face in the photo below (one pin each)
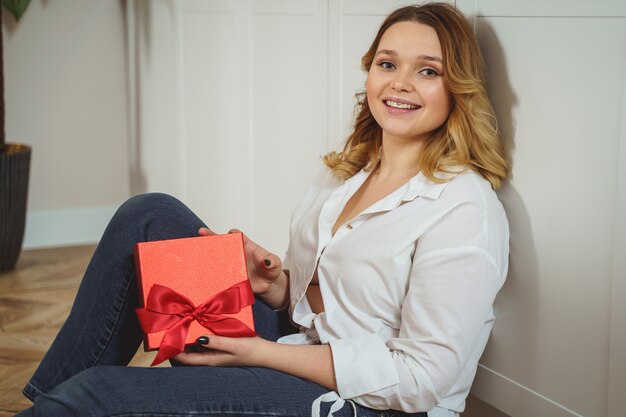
(405, 88)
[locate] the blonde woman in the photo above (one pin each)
(396, 255)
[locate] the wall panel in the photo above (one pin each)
(288, 94)
(214, 112)
(155, 88)
(556, 78)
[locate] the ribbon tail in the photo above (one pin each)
(165, 353)
(173, 341)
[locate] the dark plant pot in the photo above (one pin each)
(14, 170)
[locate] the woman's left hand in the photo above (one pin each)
(228, 351)
(312, 362)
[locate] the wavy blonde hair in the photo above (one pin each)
(469, 138)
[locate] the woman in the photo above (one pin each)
(395, 257)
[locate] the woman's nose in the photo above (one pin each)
(400, 83)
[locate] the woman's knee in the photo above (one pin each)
(147, 202)
(144, 209)
(85, 394)
(153, 216)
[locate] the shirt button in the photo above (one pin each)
(349, 226)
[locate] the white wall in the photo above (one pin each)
(557, 78)
(66, 96)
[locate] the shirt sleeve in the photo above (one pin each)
(455, 276)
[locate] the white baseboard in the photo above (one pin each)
(66, 227)
(513, 398)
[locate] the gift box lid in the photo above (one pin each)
(198, 268)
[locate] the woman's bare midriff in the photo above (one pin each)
(314, 295)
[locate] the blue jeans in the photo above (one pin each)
(84, 373)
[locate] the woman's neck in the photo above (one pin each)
(399, 159)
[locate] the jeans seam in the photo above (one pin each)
(115, 323)
(26, 391)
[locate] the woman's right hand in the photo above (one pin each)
(264, 269)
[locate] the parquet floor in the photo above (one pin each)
(35, 299)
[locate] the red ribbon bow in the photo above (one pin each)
(168, 310)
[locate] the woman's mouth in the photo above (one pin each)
(400, 107)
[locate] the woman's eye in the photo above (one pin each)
(386, 65)
(429, 72)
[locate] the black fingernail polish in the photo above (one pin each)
(267, 262)
(202, 340)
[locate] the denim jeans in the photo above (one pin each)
(84, 373)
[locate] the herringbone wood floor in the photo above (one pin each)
(35, 299)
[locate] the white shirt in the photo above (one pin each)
(408, 287)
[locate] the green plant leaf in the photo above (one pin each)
(16, 7)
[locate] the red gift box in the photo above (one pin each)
(192, 287)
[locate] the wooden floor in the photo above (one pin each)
(35, 299)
